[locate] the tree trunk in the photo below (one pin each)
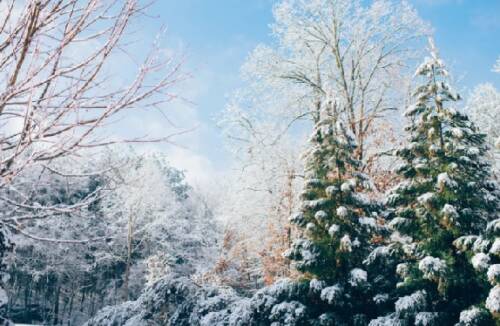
(56, 306)
(129, 258)
(70, 309)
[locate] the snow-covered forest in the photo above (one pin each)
(361, 187)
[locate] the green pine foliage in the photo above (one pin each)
(445, 195)
(337, 222)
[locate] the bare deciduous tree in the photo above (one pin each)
(345, 51)
(58, 93)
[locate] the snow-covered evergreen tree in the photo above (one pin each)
(335, 222)
(445, 195)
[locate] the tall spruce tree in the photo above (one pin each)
(337, 225)
(445, 199)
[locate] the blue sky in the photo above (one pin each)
(217, 35)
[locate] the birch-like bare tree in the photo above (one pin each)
(57, 93)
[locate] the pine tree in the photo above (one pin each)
(445, 198)
(336, 223)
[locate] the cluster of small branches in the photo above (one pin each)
(57, 92)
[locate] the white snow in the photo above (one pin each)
(449, 211)
(314, 204)
(378, 253)
(381, 298)
(471, 316)
(493, 300)
(457, 133)
(310, 226)
(426, 318)
(332, 294)
(358, 277)
(296, 218)
(398, 222)
(494, 274)
(432, 267)
(334, 228)
(411, 303)
(345, 243)
(285, 313)
(331, 190)
(495, 248)
(321, 216)
(443, 179)
(465, 242)
(480, 261)
(342, 212)
(368, 221)
(493, 226)
(346, 187)
(316, 285)
(481, 245)
(426, 198)
(473, 151)
(402, 269)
